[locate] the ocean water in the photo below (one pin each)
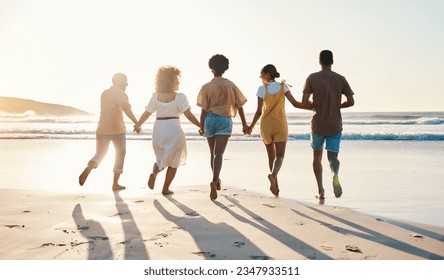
(391, 163)
(401, 126)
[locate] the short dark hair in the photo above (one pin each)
(219, 64)
(326, 57)
(271, 69)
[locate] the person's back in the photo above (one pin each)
(111, 111)
(327, 88)
(111, 128)
(221, 97)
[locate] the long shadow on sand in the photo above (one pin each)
(275, 232)
(134, 244)
(215, 241)
(369, 234)
(99, 247)
(424, 232)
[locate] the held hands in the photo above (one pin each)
(201, 132)
(137, 128)
(247, 130)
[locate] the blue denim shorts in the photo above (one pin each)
(332, 142)
(217, 125)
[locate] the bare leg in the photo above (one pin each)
(116, 186)
(211, 143)
(317, 168)
(221, 142)
(334, 162)
(334, 165)
(280, 153)
(171, 172)
(102, 146)
(276, 153)
(153, 175)
(85, 173)
(271, 153)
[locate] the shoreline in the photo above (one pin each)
(240, 225)
(392, 180)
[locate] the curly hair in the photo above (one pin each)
(166, 78)
(219, 64)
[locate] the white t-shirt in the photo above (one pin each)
(273, 88)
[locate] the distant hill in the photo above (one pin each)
(12, 105)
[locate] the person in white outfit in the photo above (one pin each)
(168, 137)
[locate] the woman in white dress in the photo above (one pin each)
(168, 137)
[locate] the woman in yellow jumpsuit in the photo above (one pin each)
(274, 130)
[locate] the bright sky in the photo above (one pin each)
(65, 52)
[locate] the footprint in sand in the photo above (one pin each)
(417, 236)
(14, 226)
(52, 244)
(99, 237)
(160, 244)
(75, 243)
(82, 227)
(261, 257)
(192, 214)
(238, 244)
(327, 248)
(209, 254)
(269, 205)
(353, 248)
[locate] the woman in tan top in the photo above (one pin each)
(220, 100)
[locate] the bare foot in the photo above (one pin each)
(152, 180)
(274, 190)
(337, 187)
(321, 197)
(213, 192)
(219, 183)
(84, 175)
(118, 188)
(167, 192)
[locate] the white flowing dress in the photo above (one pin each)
(168, 137)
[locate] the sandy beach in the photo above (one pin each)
(45, 215)
(240, 225)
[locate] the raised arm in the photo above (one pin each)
(297, 104)
(190, 116)
(350, 102)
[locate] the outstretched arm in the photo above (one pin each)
(191, 117)
(350, 102)
(143, 118)
(297, 104)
